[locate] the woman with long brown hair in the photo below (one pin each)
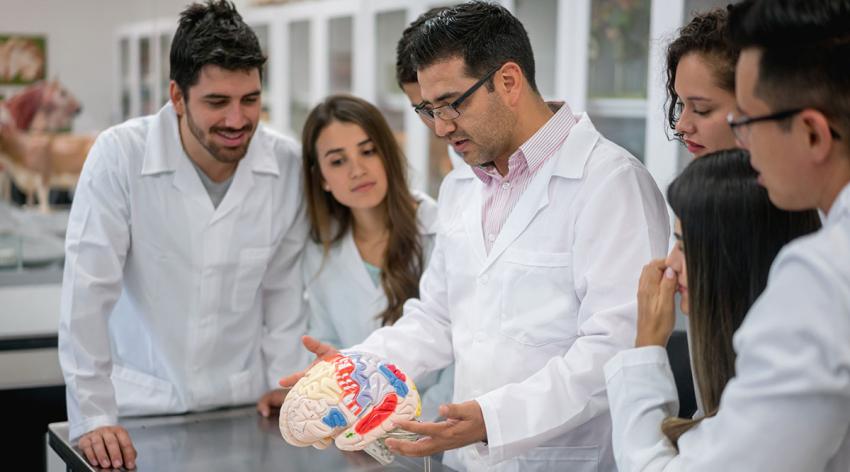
(728, 234)
(371, 236)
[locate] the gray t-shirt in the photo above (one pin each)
(216, 190)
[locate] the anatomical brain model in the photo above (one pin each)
(352, 399)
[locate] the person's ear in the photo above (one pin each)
(509, 82)
(177, 97)
(819, 137)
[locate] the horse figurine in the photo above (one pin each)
(35, 148)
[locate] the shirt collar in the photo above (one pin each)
(540, 146)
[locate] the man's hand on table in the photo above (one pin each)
(108, 447)
(271, 400)
(464, 425)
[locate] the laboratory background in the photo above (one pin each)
(106, 61)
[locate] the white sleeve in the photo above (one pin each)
(96, 246)
(284, 308)
(622, 226)
(788, 407)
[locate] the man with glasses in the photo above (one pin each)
(788, 407)
(531, 286)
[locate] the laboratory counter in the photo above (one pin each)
(225, 440)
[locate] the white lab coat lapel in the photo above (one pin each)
(357, 270)
(260, 158)
(164, 153)
(473, 222)
(567, 162)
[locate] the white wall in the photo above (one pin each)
(80, 44)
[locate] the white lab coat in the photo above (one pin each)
(168, 304)
(530, 325)
(344, 302)
(788, 407)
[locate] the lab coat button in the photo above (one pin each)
(484, 279)
(480, 337)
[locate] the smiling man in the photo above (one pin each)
(531, 286)
(181, 289)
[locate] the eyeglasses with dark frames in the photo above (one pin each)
(741, 126)
(450, 111)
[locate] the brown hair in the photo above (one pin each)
(705, 34)
(331, 220)
(731, 233)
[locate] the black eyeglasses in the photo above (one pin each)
(741, 126)
(450, 111)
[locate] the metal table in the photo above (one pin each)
(225, 440)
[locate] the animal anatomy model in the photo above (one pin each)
(351, 399)
(32, 150)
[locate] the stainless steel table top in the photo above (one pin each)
(225, 440)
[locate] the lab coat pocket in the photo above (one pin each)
(138, 393)
(573, 459)
(538, 301)
(249, 274)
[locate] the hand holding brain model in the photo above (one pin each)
(352, 399)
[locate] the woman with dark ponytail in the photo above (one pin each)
(728, 234)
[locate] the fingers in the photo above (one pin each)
(109, 447)
(127, 448)
(85, 445)
(420, 448)
(100, 450)
(263, 407)
(425, 429)
(290, 380)
(453, 411)
(320, 349)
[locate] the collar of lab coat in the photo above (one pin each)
(571, 157)
(840, 207)
(163, 147)
(568, 162)
(426, 213)
(164, 154)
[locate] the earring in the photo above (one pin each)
(326, 187)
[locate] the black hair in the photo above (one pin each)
(805, 46)
(706, 34)
(731, 233)
(484, 35)
(212, 33)
(405, 71)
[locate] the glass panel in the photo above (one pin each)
(147, 79)
(391, 101)
(340, 60)
(540, 20)
(627, 132)
(299, 74)
(262, 32)
(619, 48)
(124, 52)
(164, 67)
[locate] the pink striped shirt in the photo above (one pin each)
(502, 193)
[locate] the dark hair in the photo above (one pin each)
(731, 233)
(405, 71)
(805, 48)
(331, 220)
(212, 33)
(483, 34)
(708, 36)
